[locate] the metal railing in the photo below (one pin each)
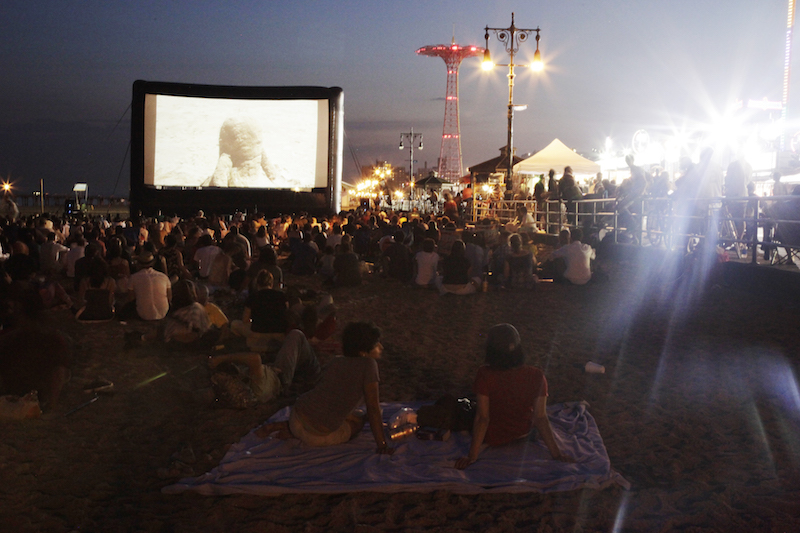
(739, 224)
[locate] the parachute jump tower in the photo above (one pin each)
(450, 154)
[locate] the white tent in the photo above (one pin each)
(556, 155)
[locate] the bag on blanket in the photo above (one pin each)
(231, 392)
(449, 412)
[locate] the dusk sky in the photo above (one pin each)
(611, 68)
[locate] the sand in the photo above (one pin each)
(699, 409)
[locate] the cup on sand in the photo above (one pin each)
(594, 368)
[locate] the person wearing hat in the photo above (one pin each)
(151, 289)
(512, 398)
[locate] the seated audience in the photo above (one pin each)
(187, 321)
(119, 267)
(151, 291)
(326, 415)
(512, 398)
(455, 278)
(347, 267)
(267, 260)
(264, 320)
(397, 259)
(32, 355)
(207, 250)
(96, 293)
(215, 315)
(50, 255)
(520, 265)
(174, 259)
(577, 258)
(426, 262)
(304, 257)
(497, 261)
(326, 269)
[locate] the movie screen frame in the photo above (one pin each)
(295, 165)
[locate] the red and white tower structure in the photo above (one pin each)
(450, 154)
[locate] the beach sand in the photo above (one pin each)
(699, 409)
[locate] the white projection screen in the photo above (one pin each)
(223, 147)
(223, 142)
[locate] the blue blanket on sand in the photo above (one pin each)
(271, 466)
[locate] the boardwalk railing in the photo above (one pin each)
(740, 224)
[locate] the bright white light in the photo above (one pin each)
(537, 65)
(487, 65)
(772, 131)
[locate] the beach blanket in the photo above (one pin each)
(272, 466)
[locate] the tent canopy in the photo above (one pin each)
(556, 155)
(429, 181)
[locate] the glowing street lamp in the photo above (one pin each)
(511, 38)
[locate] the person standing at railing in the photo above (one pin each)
(686, 193)
(540, 195)
(771, 210)
(597, 189)
(629, 193)
(751, 213)
(553, 209)
(737, 178)
(569, 193)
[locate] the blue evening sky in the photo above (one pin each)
(612, 67)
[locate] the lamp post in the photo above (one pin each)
(511, 38)
(412, 137)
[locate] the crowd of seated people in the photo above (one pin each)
(167, 274)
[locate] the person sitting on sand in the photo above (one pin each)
(152, 291)
(187, 321)
(347, 267)
(96, 293)
(456, 272)
(326, 415)
(578, 258)
(215, 315)
(265, 315)
(520, 265)
(267, 260)
(32, 355)
(497, 261)
(397, 260)
(512, 398)
(261, 379)
(554, 267)
(425, 264)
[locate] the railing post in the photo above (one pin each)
(754, 239)
(641, 223)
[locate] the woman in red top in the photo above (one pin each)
(512, 397)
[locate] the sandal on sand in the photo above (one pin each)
(98, 385)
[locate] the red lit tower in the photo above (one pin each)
(450, 153)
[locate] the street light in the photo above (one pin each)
(412, 137)
(511, 38)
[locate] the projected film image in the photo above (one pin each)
(236, 143)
